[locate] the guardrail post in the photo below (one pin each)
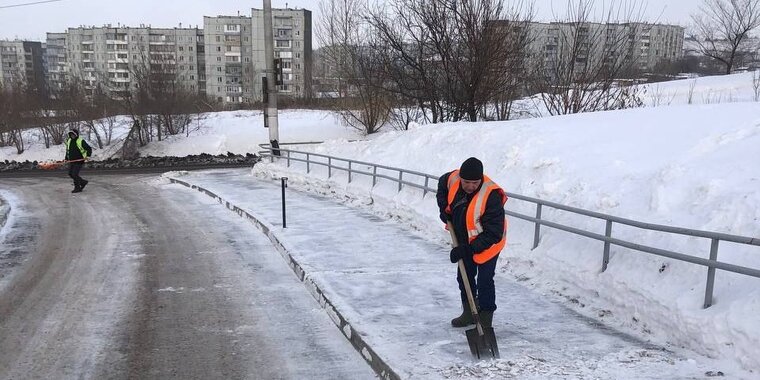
(329, 167)
(424, 191)
(400, 178)
(349, 171)
(374, 176)
(606, 257)
(308, 168)
(288, 154)
(711, 274)
(284, 185)
(538, 226)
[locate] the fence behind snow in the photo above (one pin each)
(423, 181)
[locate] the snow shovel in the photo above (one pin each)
(482, 340)
(55, 164)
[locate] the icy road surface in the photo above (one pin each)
(137, 279)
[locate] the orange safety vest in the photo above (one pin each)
(475, 211)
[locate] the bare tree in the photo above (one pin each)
(17, 106)
(452, 57)
(349, 51)
(580, 63)
(158, 98)
(723, 27)
(336, 32)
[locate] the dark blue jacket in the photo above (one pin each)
(492, 220)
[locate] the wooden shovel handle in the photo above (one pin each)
(466, 280)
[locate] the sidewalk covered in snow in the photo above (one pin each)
(397, 289)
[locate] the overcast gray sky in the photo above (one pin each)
(33, 21)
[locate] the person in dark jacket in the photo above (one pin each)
(475, 206)
(77, 150)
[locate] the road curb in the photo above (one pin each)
(349, 332)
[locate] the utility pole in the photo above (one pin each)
(270, 113)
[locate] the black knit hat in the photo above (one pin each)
(471, 169)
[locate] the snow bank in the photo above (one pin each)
(213, 133)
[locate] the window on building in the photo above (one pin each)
(219, 59)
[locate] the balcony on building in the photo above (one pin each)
(232, 29)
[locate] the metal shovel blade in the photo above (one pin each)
(484, 345)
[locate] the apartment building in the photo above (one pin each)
(647, 44)
(292, 44)
(229, 58)
(224, 60)
(22, 62)
(56, 66)
(235, 54)
(112, 57)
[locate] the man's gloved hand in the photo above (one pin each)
(460, 252)
(444, 217)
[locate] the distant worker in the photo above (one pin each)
(77, 151)
(475, 206)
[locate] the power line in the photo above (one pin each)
(25, 4)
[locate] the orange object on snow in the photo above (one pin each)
(55, 164)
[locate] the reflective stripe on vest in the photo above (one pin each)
(475, 211)
(79, 145)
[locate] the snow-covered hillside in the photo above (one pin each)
(234, 131)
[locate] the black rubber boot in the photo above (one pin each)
(486, 318)
(465, 319)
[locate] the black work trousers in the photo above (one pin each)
(74, 169)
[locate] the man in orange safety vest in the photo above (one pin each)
(475, 206)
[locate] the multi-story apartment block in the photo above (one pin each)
(118, 58)
(224, 60)
(235, 55)
(645, 45)
(229, 58)
(292, 44)
(22, 61)
(56, 67)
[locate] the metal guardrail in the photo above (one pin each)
(715, 238)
